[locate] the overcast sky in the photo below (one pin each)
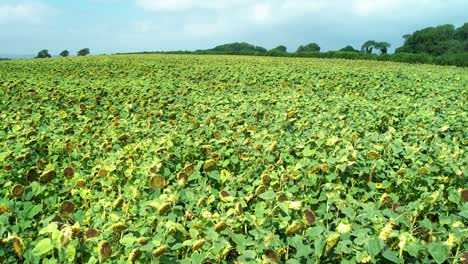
(109, 26)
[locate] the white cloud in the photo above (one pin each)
(23, 12)
(372, 7)
(262, 13)
(180, 5)
(216, 17)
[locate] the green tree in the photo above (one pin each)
(239, 48)
(349, 49)
(462, 32)
(382, 46)
(443, 39)
(83, 52)
(280, 48)
(368, 46)
(43, 54)
(311, 47)
(65, 53)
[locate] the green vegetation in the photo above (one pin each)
(349, 48)
(443, 45)
(65, 53)
(311, 47)
(43, 54)
(83, 52)
(208, 159)
(370, 45)
(237, 48)
(437, 41)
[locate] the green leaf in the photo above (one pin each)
(438, 251)
(412, 248)
(43, 247)
(128, 240)
(454, 196)
(34, 211)
(92, 260)
(268, 195)
(319, 245)
(307, 152)
(302, 251)
(248, 256)
(374, 246)
(390, 255)
(241, 241)
(51, 228)
(426, 223)
(196, 258)
(70, 253)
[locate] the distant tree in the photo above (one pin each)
(462, 33)
(278, 51)
(436, 41)
(239, 48)
(382, 46)
(65, 53)
(349, 49)
(43, 54)
(368, 46)
(280, 48)
(311, 47)
(83, 52)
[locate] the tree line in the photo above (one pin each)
(444, 45)
(45, 53)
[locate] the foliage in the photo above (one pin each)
(217, 159)
(369, 45)
(349, 49)
(65, 53)
(281, 50)
(43, 54)
(83, 52)
(239, 48)
(311, 47)
(436, 41)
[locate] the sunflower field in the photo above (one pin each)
(232, 159)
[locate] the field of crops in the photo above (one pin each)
(209, 159)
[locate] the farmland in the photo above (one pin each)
(208, 159)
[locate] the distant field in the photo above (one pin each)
(207, 159)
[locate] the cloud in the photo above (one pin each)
(262, 13)
(251, 18)
(181, 5)
(371, 7)
(29, 12)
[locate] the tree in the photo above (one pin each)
(280, 48)
(436, 41)
(382, 46)
(239, 48)
(43, 54)
(311, 47)
(349, 49)
(368, 46)
(462, 32)
(64, 53)
(83, 52)
(278, 51)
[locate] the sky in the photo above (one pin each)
(111, 26)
